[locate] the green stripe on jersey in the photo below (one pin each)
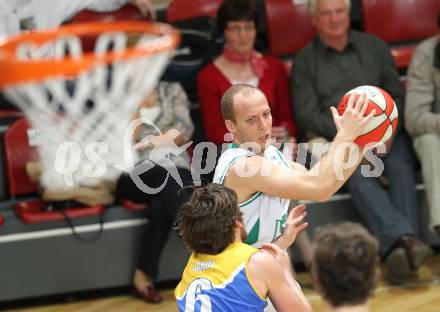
(250, 200)
(252, 237)
(282, 158)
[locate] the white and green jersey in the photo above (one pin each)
(264, 216)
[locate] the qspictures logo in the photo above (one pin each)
(160, 149)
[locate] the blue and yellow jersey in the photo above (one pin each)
(219, 283)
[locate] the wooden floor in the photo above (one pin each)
(420, 295)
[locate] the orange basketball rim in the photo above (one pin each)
(17, 70)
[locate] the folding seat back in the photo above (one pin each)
(17, 153)
(126, 12)
(402, 23)
(400, 20)
(184, 9)
(289, 26)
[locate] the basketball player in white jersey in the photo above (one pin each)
(264, 180)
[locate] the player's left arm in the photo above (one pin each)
(273, 269)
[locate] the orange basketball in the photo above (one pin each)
(383, 125)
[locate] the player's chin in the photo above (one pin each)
(265, 139)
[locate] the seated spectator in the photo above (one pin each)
(240, 63)
(336, 61)
(223, 274)
(422, 117)
(168, 108)
(345, 266)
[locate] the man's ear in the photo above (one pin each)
(238, 224)
(230, 126)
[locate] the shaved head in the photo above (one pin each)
(227, 102)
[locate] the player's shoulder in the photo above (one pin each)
(229, 159)
(247, 164)
(253, 158)
(234, 153)
(259, 163)
(263, 264)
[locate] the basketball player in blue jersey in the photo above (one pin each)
(223, 274)
(264, 180)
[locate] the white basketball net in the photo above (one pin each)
(83, 120)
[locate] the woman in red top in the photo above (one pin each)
(240, 63)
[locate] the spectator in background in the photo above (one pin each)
(168, 108)
(240, 63)
(345, 266)
(336, 61)
(422, 117)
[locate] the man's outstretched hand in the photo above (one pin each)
(295, 223)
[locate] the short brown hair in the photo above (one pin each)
(227, 101)
(206, 222)
(236, 11)
(345, 263)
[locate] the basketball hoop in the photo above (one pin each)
(82, 103)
